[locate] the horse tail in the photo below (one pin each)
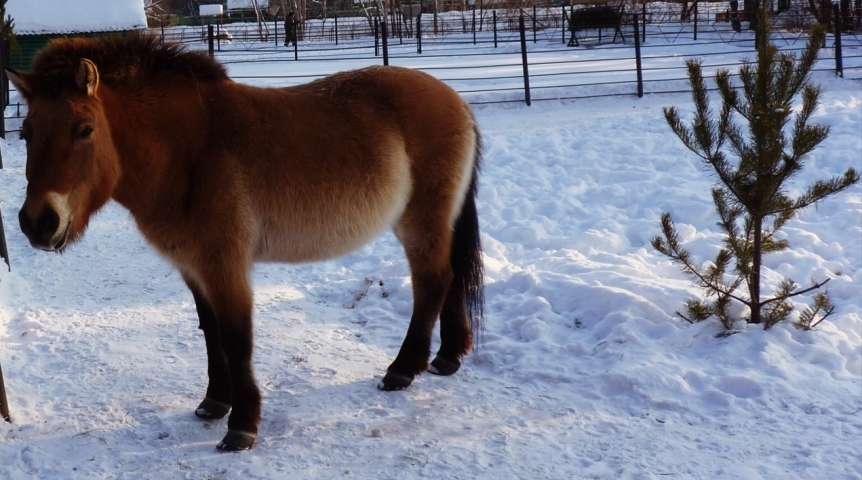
(466, 253)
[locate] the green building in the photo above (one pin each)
(39, 21)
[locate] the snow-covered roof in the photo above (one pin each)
(65, 16)
(238, 4)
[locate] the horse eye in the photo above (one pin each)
(86, 133)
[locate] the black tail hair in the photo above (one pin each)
(466, 256)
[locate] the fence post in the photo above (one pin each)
(474, 25)
(4, 404)
(376, 36)
(384, 35)
(4, 87)
(4, 252)
(4, 60)
(563, 26)
(295, 41)
(638, 59)
(495, 28)
(696, 3)
(839, 60)
(643, 17)
(753, 21)
(419, 33)
(523, 33)
(210, 38)
(336, 27)
(275, 28)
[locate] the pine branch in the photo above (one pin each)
(795, 294)
(809, 56)
(703, 127)
(822, 306)
(671, 115)
(822, 189)
(670, 247)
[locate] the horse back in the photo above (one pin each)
(323, 167)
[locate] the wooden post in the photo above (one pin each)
(4, 404)
(4, 59)
(495, 28)
(419, 33)
(384, 35)
(734, 16)
(839, 62)
(210, 39)
(695, 19)
(523, 33)
(376, 36)
(638, 65)
(474, 25)
(564, 24)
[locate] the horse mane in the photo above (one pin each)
(123, 62)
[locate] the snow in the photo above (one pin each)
(583, 370)
(34, 17)
(240, 4)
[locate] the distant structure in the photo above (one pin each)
(39, 21)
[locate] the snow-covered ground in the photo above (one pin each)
(583, 370)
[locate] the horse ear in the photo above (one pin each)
(88, 77)
(21, 81)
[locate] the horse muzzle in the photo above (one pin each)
(44, 230)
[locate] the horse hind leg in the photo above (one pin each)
(455, 335)
(427, 251)
(464, 304)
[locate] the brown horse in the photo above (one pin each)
(219, 175)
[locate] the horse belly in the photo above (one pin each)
(336, 226)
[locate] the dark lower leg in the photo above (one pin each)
(412, 359)
(217, 402)
(455, 335)
(236, 341)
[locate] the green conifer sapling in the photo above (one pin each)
(752, 168)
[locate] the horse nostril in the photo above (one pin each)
(46, 226)
(26, 224)
(42, 229)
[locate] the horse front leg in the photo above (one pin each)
(228, 291)
(216, 403)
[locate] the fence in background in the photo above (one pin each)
(495, 67)
(496, 64)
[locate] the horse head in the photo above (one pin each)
(72, 164)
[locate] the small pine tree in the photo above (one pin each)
(7, 27)
(750, 192)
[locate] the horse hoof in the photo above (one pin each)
(393, 381)
(210, 409)
(236, 440)
(444, 367)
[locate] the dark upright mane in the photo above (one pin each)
(122, 62)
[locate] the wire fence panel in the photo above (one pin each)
(484, 62)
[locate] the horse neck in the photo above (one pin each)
(156, 133)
